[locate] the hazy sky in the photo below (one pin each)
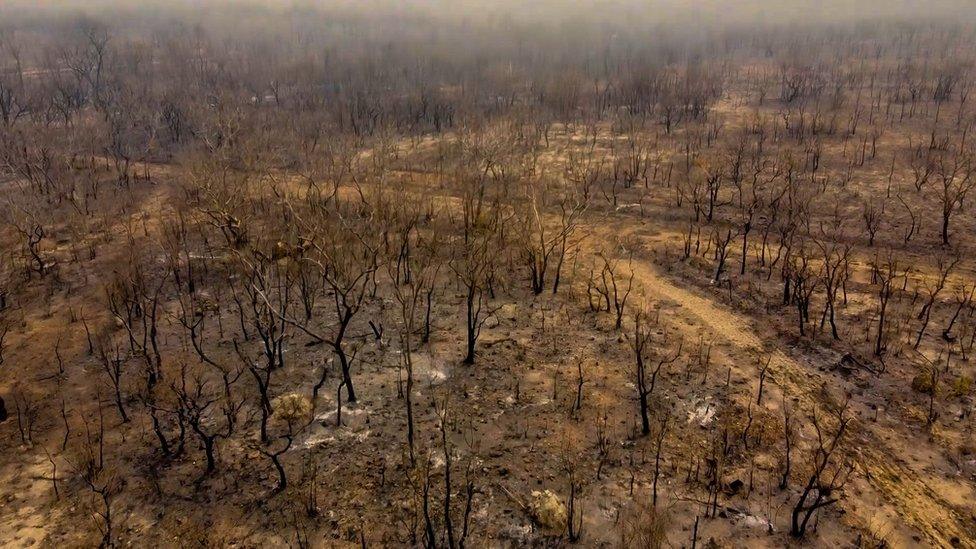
(714, 11)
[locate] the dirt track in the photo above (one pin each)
(900, 489)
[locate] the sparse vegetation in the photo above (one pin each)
(442, 274)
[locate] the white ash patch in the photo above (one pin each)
(702, 412)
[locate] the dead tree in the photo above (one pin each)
(873, 216)
(956, 180)
(454, 524)
(133, 300)
(268, 285)
(659, 436)
(713, 185)
(945, 267)
(721, 253)
(28, 413)
(885, 276)
(348, 271)
(14, 102)
(640, 343)
(751, 206)
(32, 234)
(295, 412)
(833, 276)
(828, 475)
(913, 226)
(964, 300)
(4, 331)
(197, 402)
(610, 291)
(789, 434)
(805, 282)
(113, 366)
(763, 368)
(473, 263)
(99, 477)
(574, 519)
(420, 268)
(543, 245)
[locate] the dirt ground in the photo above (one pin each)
(518, 426)
(682, 388)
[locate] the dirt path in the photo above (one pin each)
(24, 519)
(897, 487)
